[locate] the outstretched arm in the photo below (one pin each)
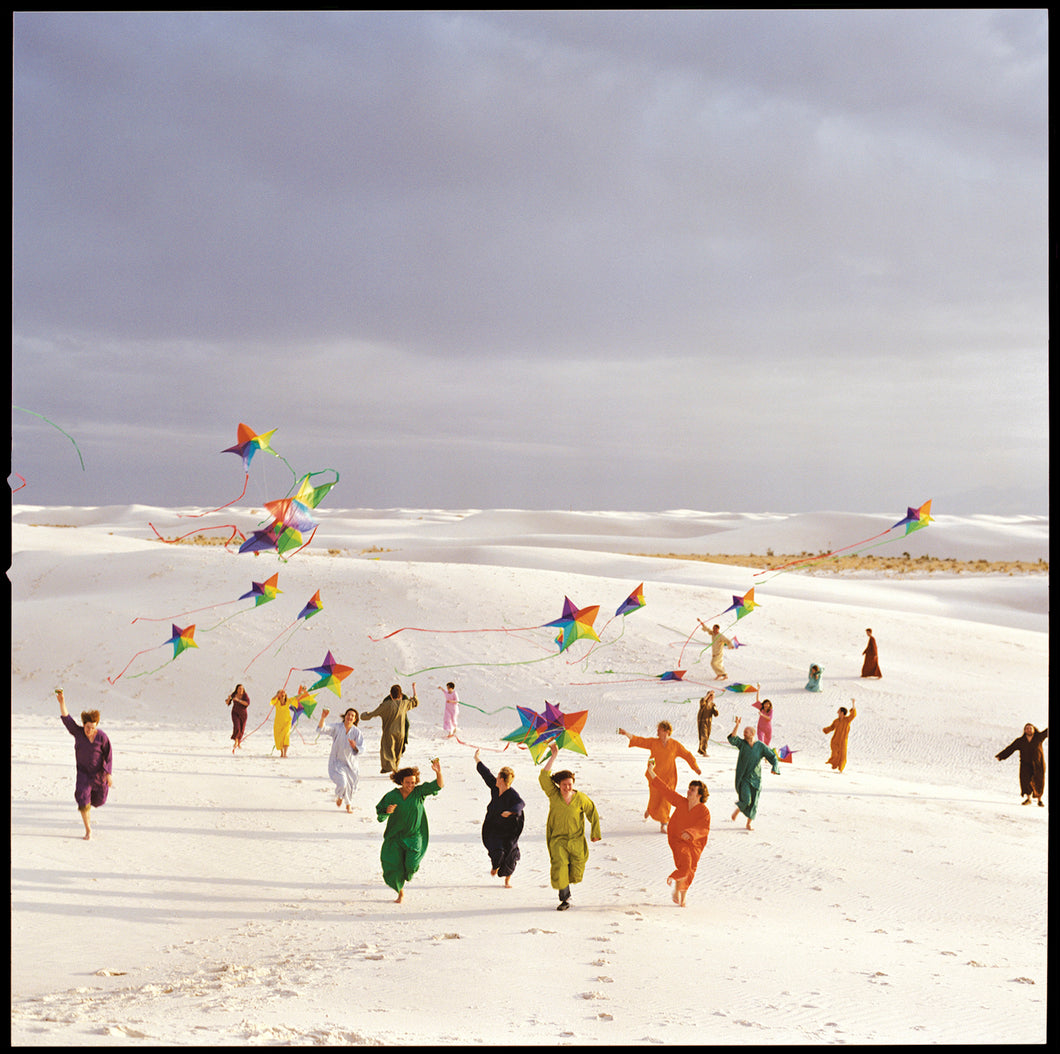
(62, 703)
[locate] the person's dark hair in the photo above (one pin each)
(400, 776)
(559, 777)
(395, 691)
(703, 792)
(450, 685)
(356, 716)
(765, 702)
(90, 717)
(843, 710)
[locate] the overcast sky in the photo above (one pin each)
(732, 261)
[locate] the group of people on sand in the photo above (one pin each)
(684, 818)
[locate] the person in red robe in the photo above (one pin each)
(687, 832)
(871, 666)
(664, 752)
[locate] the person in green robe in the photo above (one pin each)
(406, 835)
(568, 811)
(752, 751)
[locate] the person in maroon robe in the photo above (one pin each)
(94, 759)
(871, 666)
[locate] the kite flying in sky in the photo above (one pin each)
(181, 639)
(536, 731)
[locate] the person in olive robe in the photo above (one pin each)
(393, 712)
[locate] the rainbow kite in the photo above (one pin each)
(331, 673)
(182, 639)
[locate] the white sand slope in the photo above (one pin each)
(226, 900)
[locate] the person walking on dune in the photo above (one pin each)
(1032, 762)
(840, 729)
(238, 700)
(393, 712)
(407, 833)
(718, 643)
(871, 666)
(765, 720)
(452, 709)
(707, 712)
(749, 771)
(664, 752)
(281, 722)
(568, 812)
(687, 832)
(93, 757)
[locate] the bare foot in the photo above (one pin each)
(662, 827)
(676, 897)
(349, 808)
(400, 897)
(749, 827)
(736, 812)
(507, 881)
(493, 870)
(338, 801)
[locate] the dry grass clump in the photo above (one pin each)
(807, 563)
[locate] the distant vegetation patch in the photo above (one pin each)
(808, 563)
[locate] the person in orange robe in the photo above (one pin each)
(871, 666)
(840, 729)
(687, 831)
(664, 752)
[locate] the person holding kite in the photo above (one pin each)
(393, 713)
(238, 700)
(346, 746)
(871, 666)
(688, 830)
(664, 753)
(749, 771)
(707, 712)
(406, 836)
(452, 708)
(718, 642)
(765, 720)
(1032, 762)
(281, 722)
(568, 812)
(840, 729)
(93, 757)
(503, 823)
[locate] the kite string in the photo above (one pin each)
(54, 425)
(200, 530)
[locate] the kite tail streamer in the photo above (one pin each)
(170, 618)
(112, 680)
(55, 426)
(270, 644)
(457, 665)
(200, 530)
(197, 515)
(21, 477)
(420, 629)
(249, 734)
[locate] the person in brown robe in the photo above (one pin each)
(1032, 762)
(840, 729)
(871, 666)
(707, 712)
(393, 712)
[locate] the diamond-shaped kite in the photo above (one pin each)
(634, 602)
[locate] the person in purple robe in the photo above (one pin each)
(94, 758)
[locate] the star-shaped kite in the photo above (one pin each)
(743, 605)
(182, 639)
(574, 624)
(314, 606)
(673, 675)
(563, 729)
(303, 703)
(916, 518)
(332, 674)
(530, 727)
(263, 592)
(248, 444)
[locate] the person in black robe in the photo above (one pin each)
(503, 823)
(1032, 762)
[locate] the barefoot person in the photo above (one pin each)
(840, 729)
(664, 752)
(704, 718)
(749, 771)
(503, 823)
(718, 643)
(94, 759)
(1032, 762)
(687, 832)
(406, 835)
(281, 722)
(452, 709)
(238, 700)
(346, 746)
(871, 666)
(568, 812)
(393, 713)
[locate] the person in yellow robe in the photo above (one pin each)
(568, 812)
(840, 729)
(664, 752)
(281, 722)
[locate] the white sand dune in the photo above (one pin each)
(224, 899)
